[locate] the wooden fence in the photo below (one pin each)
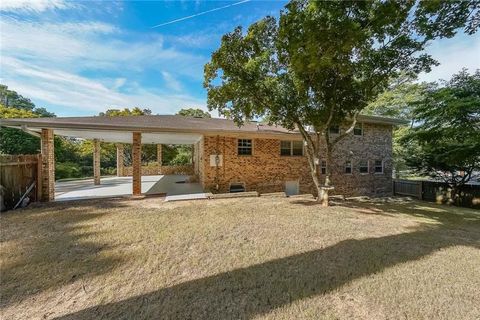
(469, 195)
(19, 174)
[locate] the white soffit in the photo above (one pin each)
(126, 137)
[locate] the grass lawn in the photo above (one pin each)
(255, 258)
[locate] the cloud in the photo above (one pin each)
(72, 91)
(171, 82)
(86, 67)
(36, 6)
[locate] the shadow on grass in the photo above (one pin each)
(50, 247)
(258, 289)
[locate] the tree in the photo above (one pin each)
(194, 112)
(14, 141)
(11, 99)
(319, 66)
(398, 102)
(445, 142)
(136, 111)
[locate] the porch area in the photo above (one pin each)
(171, 186)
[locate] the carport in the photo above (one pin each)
(135, 130)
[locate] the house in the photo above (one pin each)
(228, 158)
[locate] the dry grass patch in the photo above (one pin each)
(268, 258)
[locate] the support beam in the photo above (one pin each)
(120, 160)
(47, 182)
(159, 154)
(96, 162)
(137, 164)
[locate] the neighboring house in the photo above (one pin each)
(253, 157)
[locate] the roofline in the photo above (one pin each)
(28, 123)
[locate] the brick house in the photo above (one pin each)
(226, 158)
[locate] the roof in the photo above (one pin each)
(115, 129)
(154, 123)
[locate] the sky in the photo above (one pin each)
(81, 58)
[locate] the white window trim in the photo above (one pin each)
(291, 149)
(363, 132)
(368, 169)
(321, 167)
(383, 168)
(345, 167)
(246, 155)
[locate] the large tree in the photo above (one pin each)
(398, 102)
(320, 64)
(445, 140)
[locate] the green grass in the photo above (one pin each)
(262, 258)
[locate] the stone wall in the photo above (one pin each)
(156, 169)
(267, 171)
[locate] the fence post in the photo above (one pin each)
(420, 190)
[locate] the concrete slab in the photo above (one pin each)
(122, 186)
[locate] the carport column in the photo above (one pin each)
(137, 164)
(48, 165)
(159, 154)
(120, 159)
(96, 162)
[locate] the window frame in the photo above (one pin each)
(348, 167)
(367, 166)
(291, 142)
(323, 168)
(238, 147)
(375, 167)
(334, 126)
(361, 130)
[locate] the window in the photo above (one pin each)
(334, 129)
(378, 166)
(323, 167)
(363, 167)
(358, 130)
(348, 167)
(291, 148)
(297, 148)
(285, 148)
(245, 147)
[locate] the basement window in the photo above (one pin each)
(363, 167)
(379, 166)
(244, 147)
(291, 148)
(348, 167)
(358, 130)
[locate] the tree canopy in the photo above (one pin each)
(194, 112)
(445, 140)
(136, 111)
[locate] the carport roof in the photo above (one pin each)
(162, 123)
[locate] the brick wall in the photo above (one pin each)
(156, 169)
(266, 171)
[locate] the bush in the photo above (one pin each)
(65, 170)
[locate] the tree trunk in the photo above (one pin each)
(327, 185)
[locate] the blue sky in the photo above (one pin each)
(81, 58)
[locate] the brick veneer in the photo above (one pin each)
(266, 171)
(48, 165)
(136, 163)
(152, 170)
(120, 159)
(96, 162)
